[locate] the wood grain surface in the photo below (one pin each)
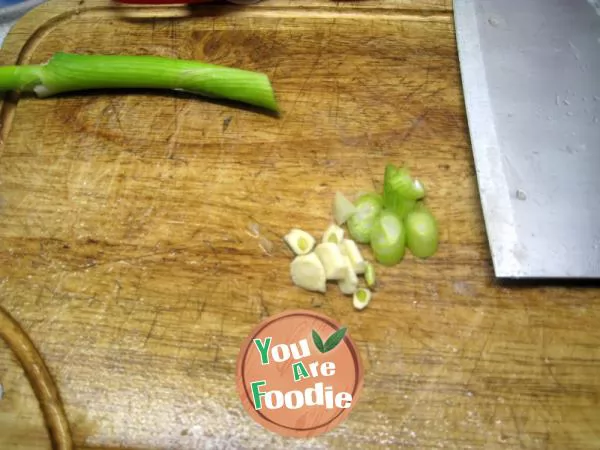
(125, 249)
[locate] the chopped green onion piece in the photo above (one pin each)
(403, 206)
(421, 232)
(361, 295)
(398, 185)
(388, 238)
(370, 275)
(71, 72)
(361, 298)
(368, 207)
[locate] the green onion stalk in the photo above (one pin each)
(67, 72)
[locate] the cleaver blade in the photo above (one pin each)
(531, 81)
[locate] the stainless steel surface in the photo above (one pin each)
(11, 12)
(531, 78)
(5, 27)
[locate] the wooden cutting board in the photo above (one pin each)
(126, 251)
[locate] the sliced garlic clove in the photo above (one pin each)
(333, 234)
(351, 250)
(349, 284)
(332, 259)
(308, 272)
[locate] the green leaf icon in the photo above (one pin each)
(331, 343)
(318, 341)
(334, 340)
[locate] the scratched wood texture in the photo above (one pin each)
(125, 249)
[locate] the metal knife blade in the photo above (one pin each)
(531, 81)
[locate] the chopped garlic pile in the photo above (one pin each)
(336, 259)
